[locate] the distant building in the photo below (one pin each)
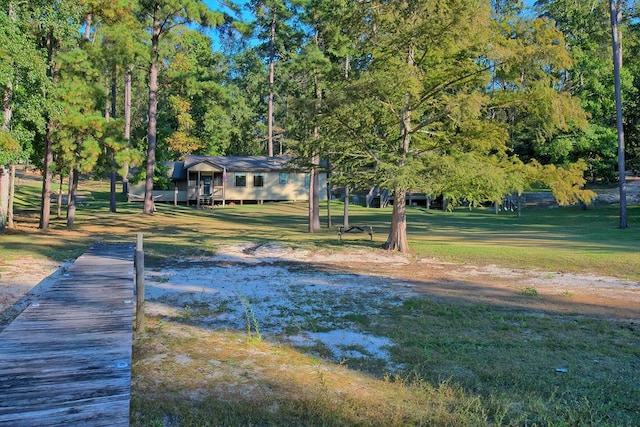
(209, 180)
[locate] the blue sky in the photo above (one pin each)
(219, 4)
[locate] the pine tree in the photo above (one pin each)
(161, 16)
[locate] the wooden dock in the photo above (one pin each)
(66, 360)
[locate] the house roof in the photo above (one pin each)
(176, 171)
(241, 163)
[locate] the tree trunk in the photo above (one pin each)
(6, 105)
(87, 27)
(397, 240)
(272, 59)
(72, 197)
(113, 177)
(114, 93)
(314, 197)
(315, 160)
(59, 201)
(312, 214)
(3, 211)
(315, 194)
(345, 213)
(329, 220)
(127, 128)
(153, 110)
(45, 205)
(616, 15)
(12, 192)
(345, 220)
(8, 89)
(112, 186)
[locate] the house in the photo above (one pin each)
(208, 180)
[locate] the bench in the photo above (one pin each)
(355, 229)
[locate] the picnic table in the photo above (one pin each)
(355, 229)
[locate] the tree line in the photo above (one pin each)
(467, 99)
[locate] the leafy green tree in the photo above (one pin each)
(247, 76)
(529, 88)
(79, 123)
(630, 104)
(9, 151)
(275, 27)
(418, 110)
(414, 90)
(161, 17)
(55, 27)
(315, 71)
(23, 80)
(615, 9)
(587, 31)
(113, 39)
(206, 109)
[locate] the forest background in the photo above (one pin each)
(466, 99)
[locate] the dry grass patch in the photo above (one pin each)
(186, 375)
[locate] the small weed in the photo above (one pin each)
(295, 328)
(311, 324)
(197, 309)
(529, 291)
(253, 327)
(320, 375)
(357, 318)
(223, 307)
(567, 294)
(187, 312)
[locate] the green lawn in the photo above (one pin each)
(464, 363)
(560, 239)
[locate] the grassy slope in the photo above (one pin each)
(464, 365)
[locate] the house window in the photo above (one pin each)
(241, 179)
(307, 181)
(258, 180)
(284, 178)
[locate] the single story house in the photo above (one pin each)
(209, 180)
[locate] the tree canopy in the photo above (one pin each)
(470, 100)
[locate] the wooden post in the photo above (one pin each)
(175, 194)
(139, 266)
(198, 190)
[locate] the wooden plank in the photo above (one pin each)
(66, 360)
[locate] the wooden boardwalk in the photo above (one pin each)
(66, 360)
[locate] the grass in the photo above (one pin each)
(513, 355)
(462, 362)
(564, 239)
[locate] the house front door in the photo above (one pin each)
(206, 185)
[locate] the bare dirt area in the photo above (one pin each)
(309, 299)
(22, 280)
(284, 290)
